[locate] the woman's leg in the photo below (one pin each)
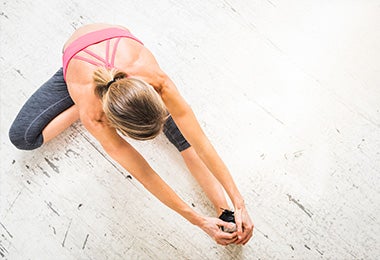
(60, 123)
(198, 169)
(49, 107)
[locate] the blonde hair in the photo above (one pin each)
(131, 105)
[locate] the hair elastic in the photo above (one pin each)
(110, 83)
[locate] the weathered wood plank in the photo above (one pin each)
(286, 90)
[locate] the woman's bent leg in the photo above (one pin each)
(198, 169)
(60, 123)
(174, 135)
(49, 101)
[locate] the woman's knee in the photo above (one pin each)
(51, 99)
(174, 135)
(20, 138)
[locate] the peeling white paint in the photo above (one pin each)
(288, 91)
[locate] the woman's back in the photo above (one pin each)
(97, 45)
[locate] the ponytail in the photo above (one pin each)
(104, 78)
(131, 105)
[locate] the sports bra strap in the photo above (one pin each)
(84, 41)
(108, 63)
(95, 63)
(114, 52)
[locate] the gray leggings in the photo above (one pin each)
(51, 99)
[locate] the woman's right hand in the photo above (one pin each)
(212, 227)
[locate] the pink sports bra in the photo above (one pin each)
(91, 38)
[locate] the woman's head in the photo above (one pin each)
(131, 105)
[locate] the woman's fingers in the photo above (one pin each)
(247, 234)
(228, 227)
(246, 225)
(226, 242)
(224, 238)
(212, 227)
(239, 223)
(247, 238)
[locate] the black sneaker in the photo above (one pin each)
(228, 216)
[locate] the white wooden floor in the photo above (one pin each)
(288, 91)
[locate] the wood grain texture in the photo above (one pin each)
(286, 90)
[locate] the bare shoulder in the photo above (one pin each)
(90, 106)
(147, 68)
(92, 115)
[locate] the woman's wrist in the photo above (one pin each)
(193, 217)
(238, 203)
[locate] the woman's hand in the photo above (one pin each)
(244, 225)
(212, 227)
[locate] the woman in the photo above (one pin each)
(113, 84)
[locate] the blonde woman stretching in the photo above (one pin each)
(112, 83)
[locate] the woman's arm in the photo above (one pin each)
(186, 121)
(192, 131)
(190, 128)
(122, 152)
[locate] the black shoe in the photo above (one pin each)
(228, 216)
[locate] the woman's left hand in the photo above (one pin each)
(244, 225)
